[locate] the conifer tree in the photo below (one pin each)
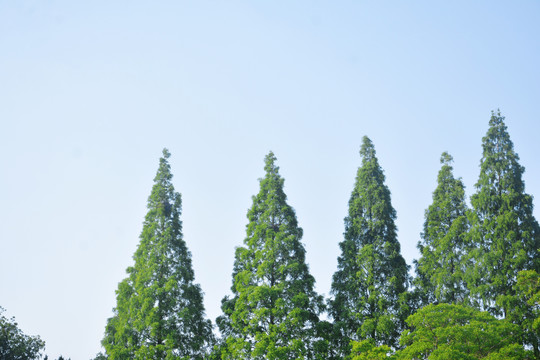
(159, 312)
(504, 233)
(443, 249)
(503, 229)
(369, 287)
(273, 313)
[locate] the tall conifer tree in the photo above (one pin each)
(159, 312)
(443, 249)
(504, 232)
(503, 228)
(370, 285)
(273, 313)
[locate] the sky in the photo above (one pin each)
(91, 92)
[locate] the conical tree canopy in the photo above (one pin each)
(274, 309)
(504, 230)
(159, 312)
(504, 233)
(443, 248)
(369, 287)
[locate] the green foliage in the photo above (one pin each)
(443, 249)
(504, 232)
(159, 312)
(14, 344)
(367, 350)
(369, 287)
(528, 288)
(525, 309)
(444, 332)
(450, 332)
(100, 356)
(273, 313)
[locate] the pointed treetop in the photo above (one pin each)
(367, 150)
(269, 163)
(370, 172)
(497, 121)
(164, 170)
(166, 153)
(496, 118)
(497, 139)
(446, 159)
(499, 166)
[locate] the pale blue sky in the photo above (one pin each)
(91, 92)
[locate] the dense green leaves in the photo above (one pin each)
(273, 313)
(14, 344)
(369, 287)
(159, 312)
(504, 234)
(525, 309)
(444, 331)
(443, 249)
(484, 258)
(367, 350)
(528, 291)
(503, 228)
(450, 332)
(477, 265)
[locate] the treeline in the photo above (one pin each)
(475, 294)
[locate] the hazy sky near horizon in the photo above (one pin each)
(91, 92)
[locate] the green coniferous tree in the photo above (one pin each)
(273, 313)
(443, 249)
(159, 312)
(370, 285)
(504, 232)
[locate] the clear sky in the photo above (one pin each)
(91, 92)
